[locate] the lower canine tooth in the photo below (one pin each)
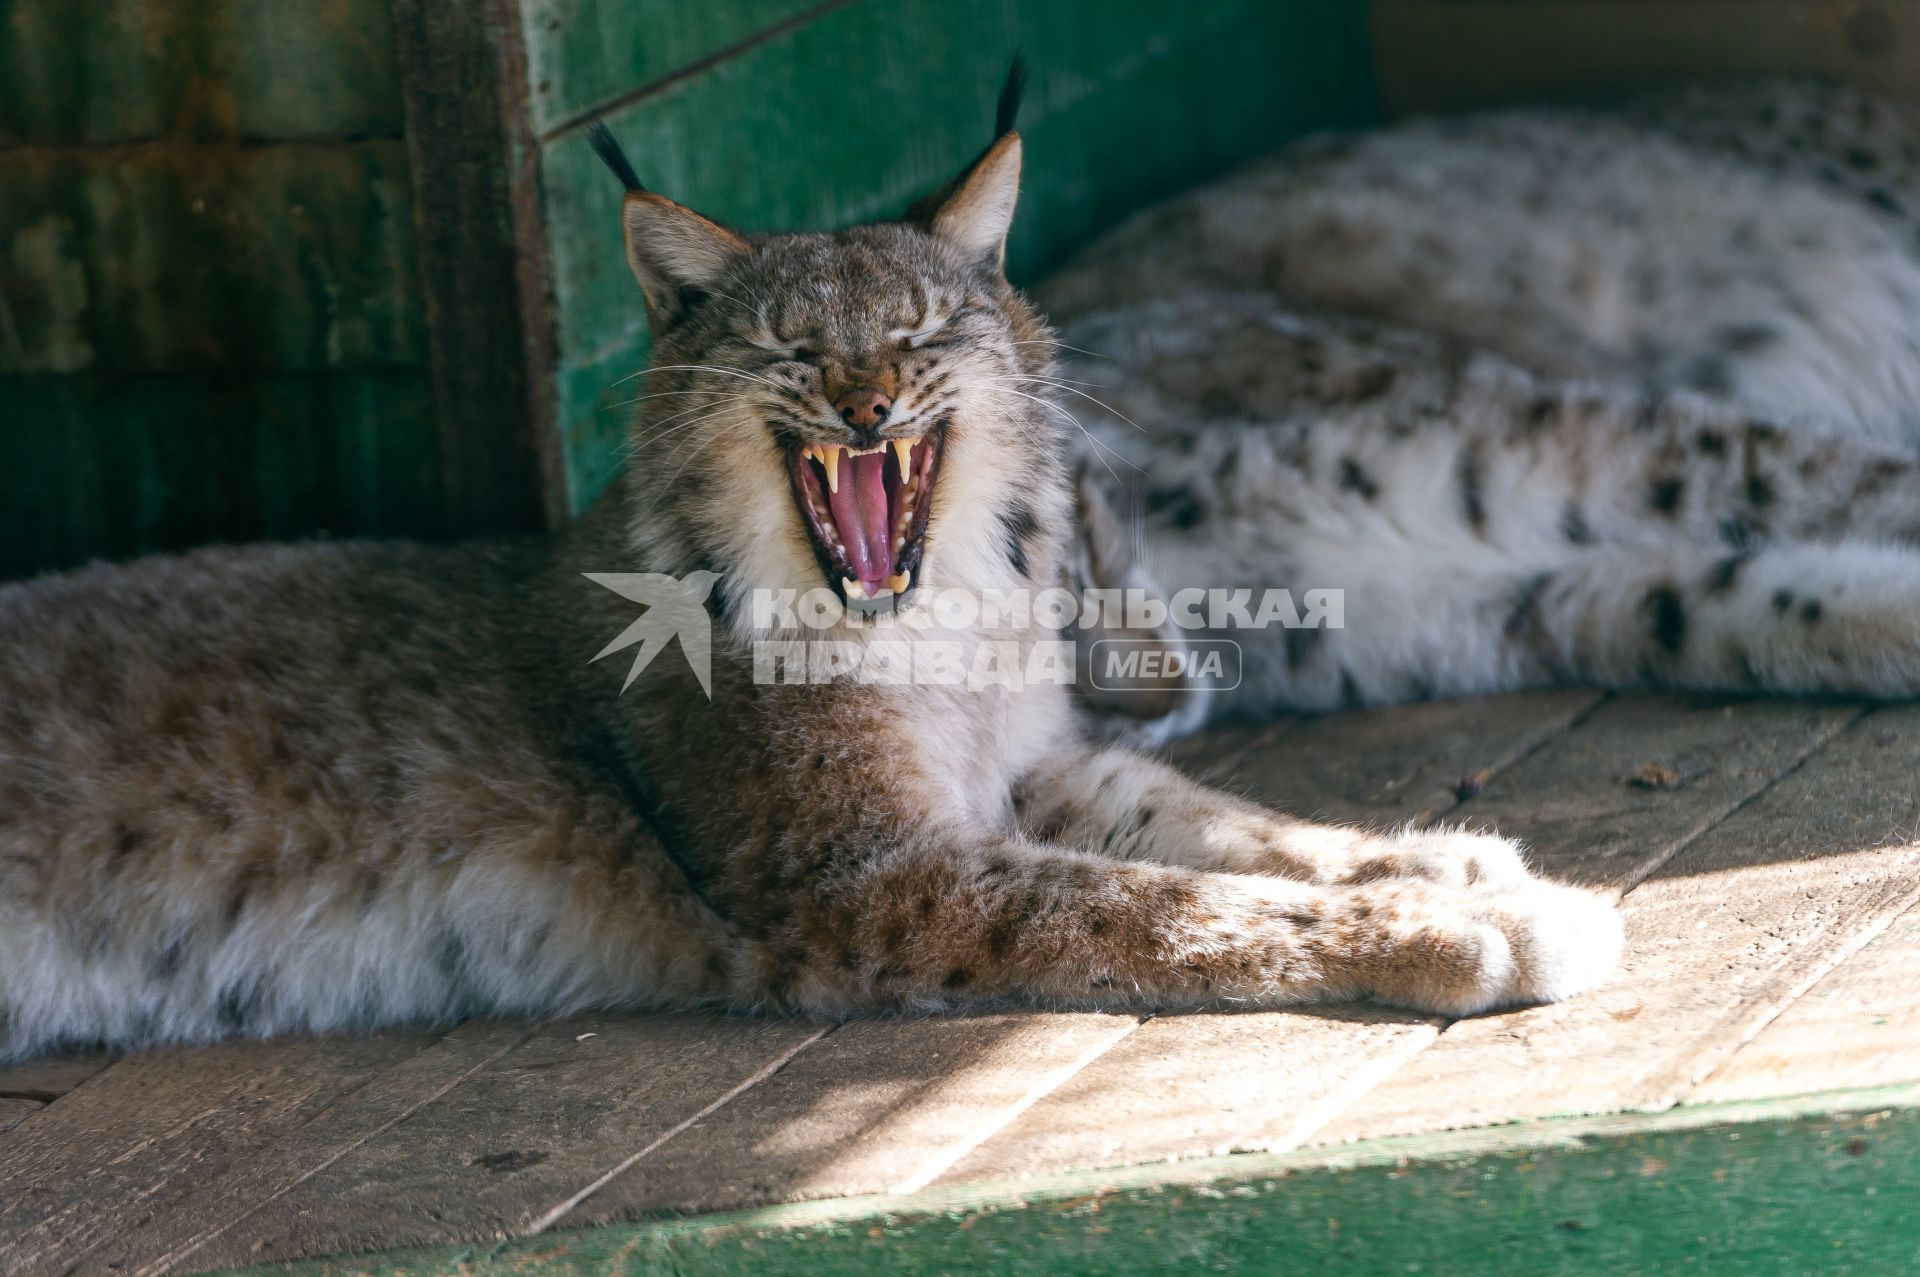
(898, 582)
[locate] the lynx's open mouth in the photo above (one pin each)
(866, 511)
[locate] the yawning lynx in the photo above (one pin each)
(258, 790)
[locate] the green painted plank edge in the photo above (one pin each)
(1818, 1183)
(583, 56)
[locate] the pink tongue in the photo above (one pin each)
(860, 512)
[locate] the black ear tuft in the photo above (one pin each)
(604, 145)
(1009, 107)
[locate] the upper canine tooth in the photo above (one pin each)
(830, 458)
(903, 448)
(854, 589)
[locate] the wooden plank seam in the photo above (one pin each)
(1819, 746)
(1043, 1086)
(767, 1070)
(1720, 1054)
(711, 60)
(165, 1263)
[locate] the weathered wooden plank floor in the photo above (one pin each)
(1768, 854)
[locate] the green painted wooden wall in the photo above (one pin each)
(235, 292)
(209, 322)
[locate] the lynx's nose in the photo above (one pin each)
(863, 406)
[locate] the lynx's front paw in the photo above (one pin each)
(1461, 953)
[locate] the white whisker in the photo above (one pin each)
(1090, 399)
(726, 372)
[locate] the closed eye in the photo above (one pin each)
(784, 349)
(914, 338)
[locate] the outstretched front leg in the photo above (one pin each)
(937, 922)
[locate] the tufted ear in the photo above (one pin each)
(675, 253)
(977, 211)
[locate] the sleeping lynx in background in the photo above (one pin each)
(270, 789)
(1554, 396)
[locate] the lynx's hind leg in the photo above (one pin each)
(1796, 618)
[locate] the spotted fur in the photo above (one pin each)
(1628, 397)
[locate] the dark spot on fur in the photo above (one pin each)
(1712, 442)
(1726, 573)
(1350, 697)
(508, 1162)
(127, 839)
(1229, 463)
(1759, 491)
(1860, 157)
(1709, 374)
(1811, 611)
(167, 962)
(1020, 525)
(1542, 412)
(238, 1003)
(449, 954)
(1355, 479)
(1573, 526)
(1782, 600)
(1521, 605)
(996, 867)
(1744, 339)
(1472, 502)
(1878, 475)
(1664, 495)
(1669, 618)
(237, 897)
(1737, 533)
(1177, 505)
(1217, 403)
(958, 978)
(1881, 198)
(1370, 384)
